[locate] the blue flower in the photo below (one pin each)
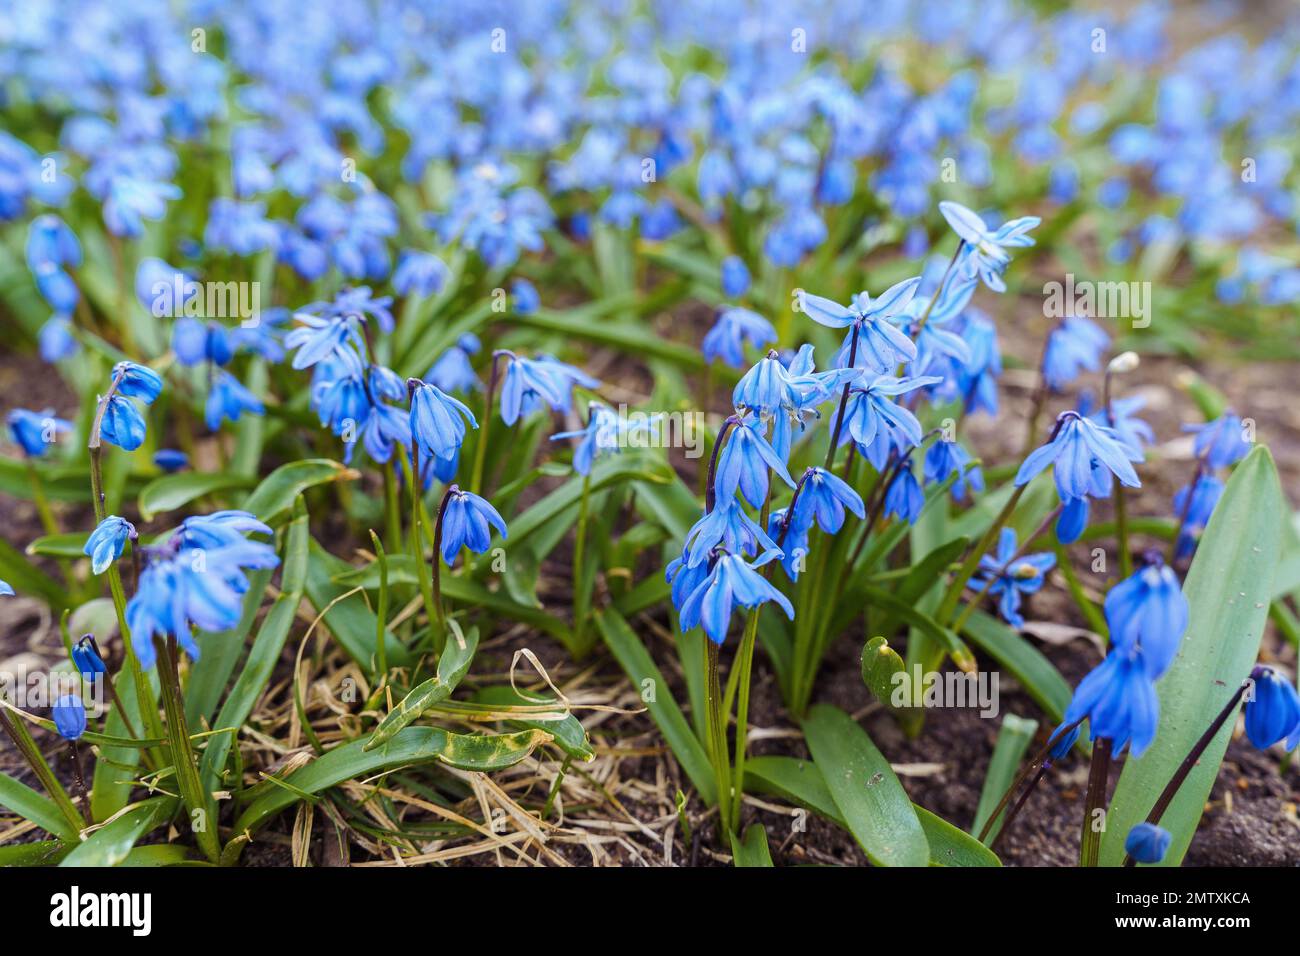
(1147, 843)
(1119, 700)
(1129, 429)
(69, 717)
(1195, 514)
(528, 382)
(946, 458)
(465, 523)
(876, 422)
(1148, 610)
(988, 257)
(881, 346)
(731, 582)
(419, 273)
(1073, 449)
(733, 328)
(6, 589)
(1074, 345)
(977, 381)
(729, 527)
(744, 464)
(56, 339)
(227, 398)
(131, 200)
(386, 427)
(86, 658)
(322, 337)
(170, 459)
(606, 432)
(35, 432)
(137, 381)
(104, 546)
(51, 242)
(196, 342)
(1062, 743)
(823, 498)
(766, 387)
(453, 371)
(903, 497)
(56, 287)
(1221, 442)
(735, 277)
(196, 578)
(793, 541)
(1272, 710)
(437, 420)
(122, 425)
(527, 300)
(1023, 575)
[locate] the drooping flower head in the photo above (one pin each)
(105, 544)
(1272, 710)
(466, 523)
(987, 254)
(69, 715)
(1119, 700)
(1222, 442)
(733, 328)
(36, 432)
(744, 464)
(881, 345)
(731, 582)
(87, 659)
(1147, 843)
(437, 420)
(607, 432)
(1148, 610)
(528, 383)
(1012, 576)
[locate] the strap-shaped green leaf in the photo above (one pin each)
(452, 666)
(1228, 589)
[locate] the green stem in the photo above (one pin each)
(196, 801)
(38, 498)
(968, 566)
(1095, 619)
(417, 544)
(1098, 780)
(392, 508)
(381, 618)
(480, 448)
(581, 597)
(16, 729)
(745, 662)
(717, 734)
(440, 635)
(1121, 527)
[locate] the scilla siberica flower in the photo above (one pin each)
(1084, 455)
(1119, 700)
(733, 328)
(195, 342)
(437, 420)
(735, 277)
(87, 659)
(1023, 575)
(123, 424)
(727, 526)
(465, 524)
(1147, 843)
(170, 459)
(1074, 345)
(69, 715)
(945, 458)
(195, 578)
(453, 371)
(105, 544)
(419, 273)
(793, 540)
(904, 498)
(744, 463)
(988, 256)
(881, 346)
(877, 423)
(824, 498)
(228, 398)
(1148, 610)
(35, 432)
(606, 432)
(1221, 442)
(1195, 515)
(530, 382)
(730, 582)
(526, 298)
(1272, 710)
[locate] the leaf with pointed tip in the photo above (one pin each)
(452, 667)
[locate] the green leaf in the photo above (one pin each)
(452, 666)
(221, 652)
(169, 492)
(111, 843)
(276, 494)
(570, 736)
(880, 663)
(410, 747)
(800, 782)
(870, 798)
(641, 670)
(30, 805)
(265, 652)
(1014, 737)
(751, 849)
(25, 578)
(1228, 589)
(351, 622)
(1041, 680)
(66, 544)
(39, 853)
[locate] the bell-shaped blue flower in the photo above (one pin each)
(729, 527)
(437, 420)
(530, 382)
(419, 273)
(69, 715)
(1073, 346)
(988, 256)
(731, 582)
(122, 425)
(171, 460)
(766, 387)
(1147, 843)
(1073, 450)
(733, 328)
(35, 432)
(735, 277)
(465, 524)
(137, 381)
(824, 498)
(881, 345)
(1195, 514)
(105, 544)
(196, 342)
(1272, 710)
(1221, 442)
(904, 498)
(744, 464)
(228, 398)
(86, 658)
(944, 458)
(1148, 610)
(453, 371)
(1119, 700)
(1062, 743)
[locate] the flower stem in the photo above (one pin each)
(968, 566)
(381, 616)
(16, 730)
(844, 401)
(745, 664)
(717, 733)
(392, 507)
(1098, 780)
(480, 448)
(440, 636)
(197, 802)
(38, 498)
(1096, 620)
(1180, 775)
(581, 597)
(1039, 758)
(417, 548)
